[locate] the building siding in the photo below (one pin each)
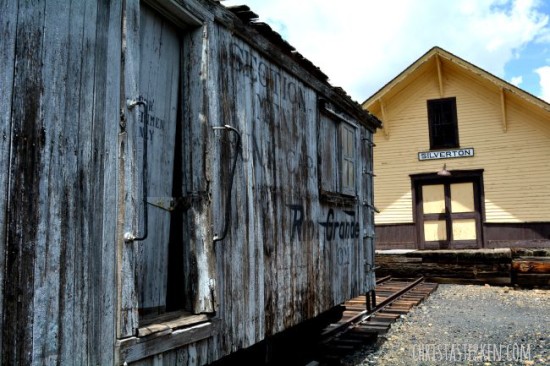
(515, 162)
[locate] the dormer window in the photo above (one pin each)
(443, 123)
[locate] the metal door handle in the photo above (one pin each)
(227, 219)
(129, 236)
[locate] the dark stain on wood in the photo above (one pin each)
(24, 190)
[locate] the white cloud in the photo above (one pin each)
(516, 80)
(544, 76)
(361, 45)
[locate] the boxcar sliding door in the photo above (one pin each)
(161, 213)
(159, 80)
(152, 73)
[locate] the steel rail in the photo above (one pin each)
(365, 314)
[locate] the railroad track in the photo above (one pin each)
(362, 321)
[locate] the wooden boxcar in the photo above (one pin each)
(176, 183)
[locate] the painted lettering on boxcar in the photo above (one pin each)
(336, 227)
(296, 161)
(340, 229)
(250, 140)
(300, 229)
(148, 126)
(269, 77)
(278, 102)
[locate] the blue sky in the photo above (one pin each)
(362, 44)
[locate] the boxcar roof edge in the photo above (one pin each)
(244, 23)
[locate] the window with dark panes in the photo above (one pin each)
(443, 124)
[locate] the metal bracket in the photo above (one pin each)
(369, 141)
(365, 203)
(369, 172)
(165, 203)
(173, 203)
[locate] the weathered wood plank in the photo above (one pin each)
(8, 29)
(129, 178)
(103, 304)
(199, 269)
(382, 259)
(203, 244)
(133, 349)
(531, 265)
(171, 324)
(239, 296)
(531, 279)
(191, 60)
(68, 216)
(463, 256)
(526, 252)
(28, 144)
(73, 259)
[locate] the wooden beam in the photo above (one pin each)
(134, 348)
(503, 109)
(385, 122)
(532, 265)
(184, 320)
(439, 75)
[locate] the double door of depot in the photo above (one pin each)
(448, 213)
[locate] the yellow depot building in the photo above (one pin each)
(463, 160)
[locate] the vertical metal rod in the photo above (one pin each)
(367, 301)
(128, 237)
(228, 198)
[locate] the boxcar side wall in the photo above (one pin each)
(295, 195)
(275, 196)
(291, 252)
(289, 255)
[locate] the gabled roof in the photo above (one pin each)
(447, 59)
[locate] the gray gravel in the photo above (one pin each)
(468, 325)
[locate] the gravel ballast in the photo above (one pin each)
(468, 325)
